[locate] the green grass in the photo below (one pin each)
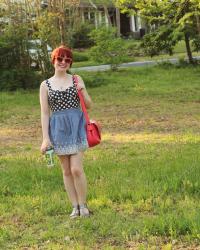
(143, 179)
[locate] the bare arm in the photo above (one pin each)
(45, 114)
(86, 97)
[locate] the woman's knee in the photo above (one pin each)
(65, 166)
(76, 171)
(66, 172)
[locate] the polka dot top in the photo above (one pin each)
(63, 99)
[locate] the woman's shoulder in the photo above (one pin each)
(44, 84)
(79, 77)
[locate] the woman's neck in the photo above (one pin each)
(60, 74)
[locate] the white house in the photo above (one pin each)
(96, 14)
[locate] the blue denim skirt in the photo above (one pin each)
(67, 131)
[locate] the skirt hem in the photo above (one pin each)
(70, 149)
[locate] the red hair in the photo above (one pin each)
(61, 51)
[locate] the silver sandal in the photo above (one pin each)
(84, 211)
(75, 212)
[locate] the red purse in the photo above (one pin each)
(93, 129)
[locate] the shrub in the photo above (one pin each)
(134, 49)
(80, 57)
(108, 48)
(165, 65)
(159, 41)
(80, 37)
(14, 79)
(196, 43)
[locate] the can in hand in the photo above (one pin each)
(49, 156)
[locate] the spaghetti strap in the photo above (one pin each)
(73, 80)
(48, 84)
(74, 84)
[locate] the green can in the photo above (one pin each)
(49, 156)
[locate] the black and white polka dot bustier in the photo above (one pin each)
(65, 99)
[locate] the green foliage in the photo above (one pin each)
(45, 26)
(133, 49)
(15, 60)
(108, 48)
(165, 65)
(46, 30)
(13, 47)
(196, 43)
(182, 62)
(172, 20)
(80, 36)
(80, 56)
(160, 40)
(19, 78)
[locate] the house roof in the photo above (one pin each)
(88, 4)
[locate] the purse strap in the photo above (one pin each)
(81, 100)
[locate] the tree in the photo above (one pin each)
(49, 22)
(15, 69)
(108, 47)
(174, 20)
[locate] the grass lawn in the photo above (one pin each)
(144, 179)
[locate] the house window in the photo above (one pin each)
(92, 17)
(86, 16)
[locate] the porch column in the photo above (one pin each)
(132, 23)
(106, 21)
(139, 22)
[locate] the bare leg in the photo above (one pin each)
(79, 177)
(68, 179)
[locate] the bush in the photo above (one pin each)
(80, 37)
(134, 49)
(14, 79)
(165, 65)
(108, 48)
(196, 43)
(162, 40)
(80, 57)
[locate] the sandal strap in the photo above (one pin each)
(82, 206)
(75, 212)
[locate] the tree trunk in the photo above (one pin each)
(61, 21)
(189, 52)
(61, 27)
(118, 22)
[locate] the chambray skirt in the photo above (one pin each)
(67, 131)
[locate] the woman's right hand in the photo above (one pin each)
(45, 144)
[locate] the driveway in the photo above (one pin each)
(130, 64)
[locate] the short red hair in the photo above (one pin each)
(61, 51)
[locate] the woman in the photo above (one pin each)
(65, 129)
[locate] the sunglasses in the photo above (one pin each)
(66, 60)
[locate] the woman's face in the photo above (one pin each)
(62, 63)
